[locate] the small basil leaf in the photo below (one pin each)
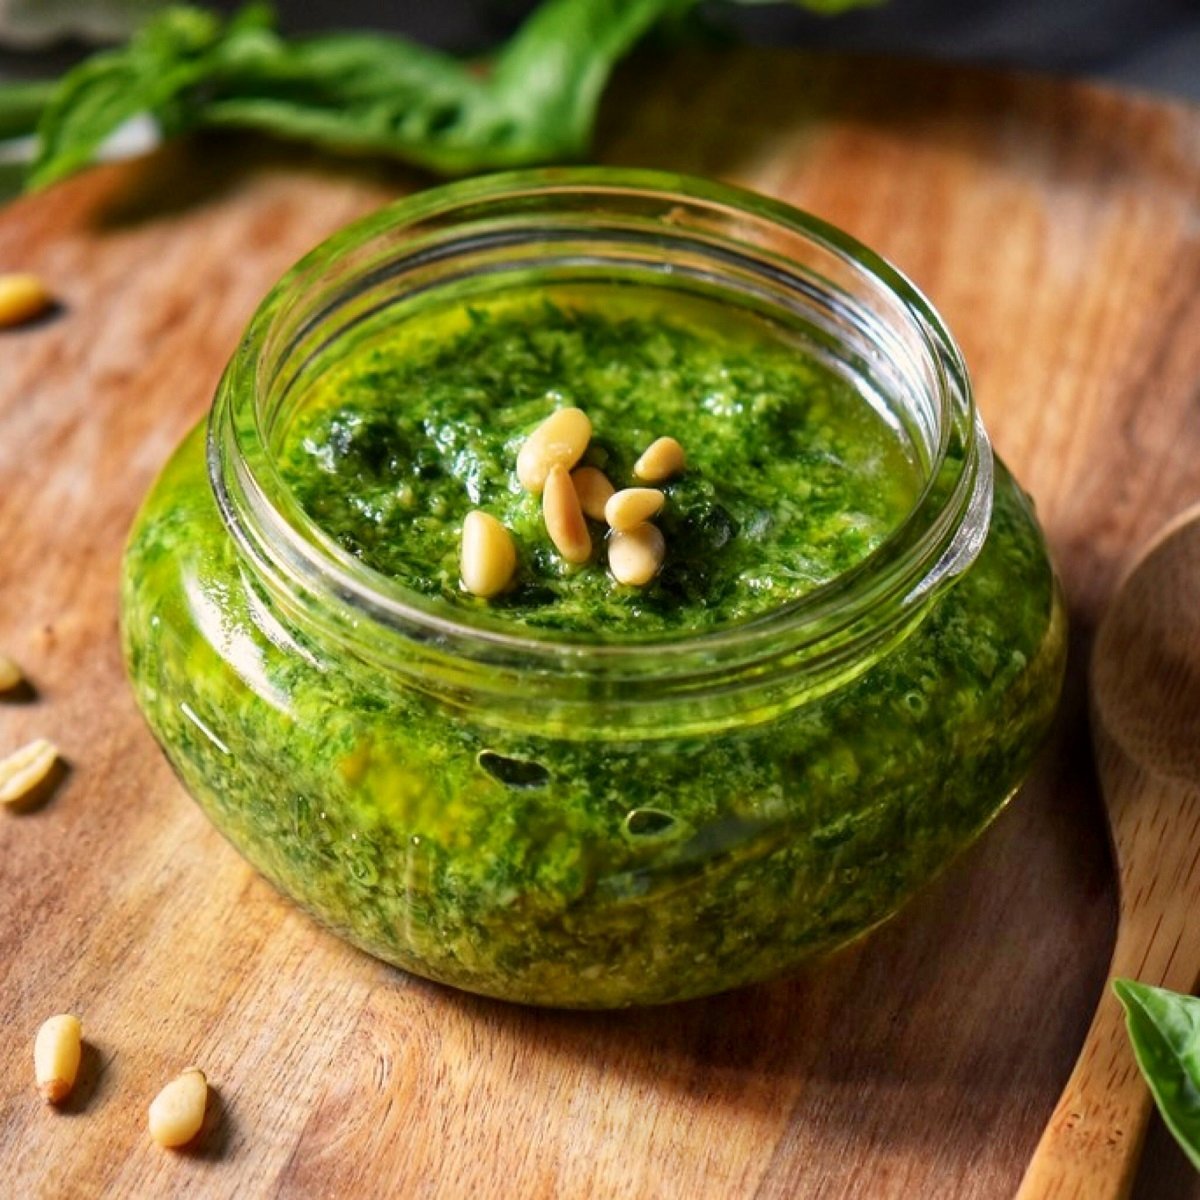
(1164, 1028)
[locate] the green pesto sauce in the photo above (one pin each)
(545, 863)
(792, 476)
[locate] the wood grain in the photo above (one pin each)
(1057, 227)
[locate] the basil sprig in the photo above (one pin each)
(534, 101)
(1164, 1028)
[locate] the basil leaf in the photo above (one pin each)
(363, 93)
(537, 102)
(1164, 1028)
(173, 52)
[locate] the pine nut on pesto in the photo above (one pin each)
(575, 792)
(631, 506)
(593, 489)
(663, 458)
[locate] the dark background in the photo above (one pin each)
(1146, 43)
(1152, 44)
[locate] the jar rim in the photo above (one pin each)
(933, 543)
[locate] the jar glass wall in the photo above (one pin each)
(579, 821)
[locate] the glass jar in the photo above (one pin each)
(532, 816)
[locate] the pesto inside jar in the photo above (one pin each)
(792, 478)
(499, 846)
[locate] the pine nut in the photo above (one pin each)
(10, 673)
(56, 1053)
(22, 297)
(632, 506)
(663, 458)
(488, 557)
(560, 439)
(564, 517)
(635, 555)
(593, 489)
(25, 769)
(177, 1112)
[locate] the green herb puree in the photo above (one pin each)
(792, 477)
(551, 863)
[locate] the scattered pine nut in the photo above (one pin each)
(56, 1053)
(22, 297)
(593, 489)
(663, 458)
(25, 769)
(635, 555)
(632, 506)
(488, 557)
(560, 439)
(10, 673)
(564, 517)
(177, 1112)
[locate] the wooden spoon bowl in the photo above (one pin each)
(1145, 691)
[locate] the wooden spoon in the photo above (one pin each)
(1145, 691)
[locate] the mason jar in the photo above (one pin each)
(562, 821)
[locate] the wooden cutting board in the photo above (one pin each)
(1056, 225)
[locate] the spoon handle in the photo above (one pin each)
(1090, 1148)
